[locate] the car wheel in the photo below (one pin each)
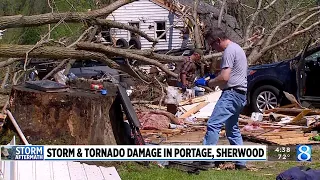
(264, 98)
(122, 43)
(135, 43)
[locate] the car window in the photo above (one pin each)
(313, 57)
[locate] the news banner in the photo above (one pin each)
(157, 153)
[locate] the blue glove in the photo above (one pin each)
(201, 82)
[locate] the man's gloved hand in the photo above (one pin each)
(201, 82)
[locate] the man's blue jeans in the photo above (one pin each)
(226, 111)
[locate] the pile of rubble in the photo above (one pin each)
(287, 125)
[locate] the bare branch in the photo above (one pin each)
(18, 51)
(306, 19)
(159, 57)
(210, 56)
(56, 69)
(8, 62)
(196, 27)
(276, 29)
(80, 37)
(115, 24)
(49, 18)
(162, 91)
(250, 25)
(125, 54)
(5, 79)
(221, 13)
(269, 5)
(290, 37)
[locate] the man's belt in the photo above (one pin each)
(237, 90)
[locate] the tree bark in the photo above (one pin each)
(66, 117)
(19, 51)
(115, 24)
(49, 18)
(196, 32)
(124, 53)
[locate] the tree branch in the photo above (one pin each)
(276, 29)
(250, 25)
(305, 20)
(123, 53)
(290, 37)
(196, 33)
(8, 62)
(18, 51)
(119, 25)
(49, 18)
(269, 5)
(221, 13)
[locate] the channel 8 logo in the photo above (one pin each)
(303, 152)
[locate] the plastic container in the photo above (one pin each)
(198, 91)
(104, 92)
(96, 86)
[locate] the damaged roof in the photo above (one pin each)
(209, 15)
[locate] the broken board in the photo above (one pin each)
(281, 138)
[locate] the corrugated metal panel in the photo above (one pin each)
(62, 170)
(93, 172)
(76, 171)
(146, 13)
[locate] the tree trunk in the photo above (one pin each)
(73, 117)
(49, 18)
(198, 43)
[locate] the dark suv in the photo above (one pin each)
(297, 76)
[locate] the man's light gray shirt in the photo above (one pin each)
(235, 58)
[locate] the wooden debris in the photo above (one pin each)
(292, 99)
(193, 101)
(281, 138)
(301, 115)
(193, 110)
(292, 111)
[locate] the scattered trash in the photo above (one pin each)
(71, 76)
(252, 127)
(199, 91)
(174, 126)
(96, 86)
(60, 77)
(256, 116)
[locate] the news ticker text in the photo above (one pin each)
(157, 153)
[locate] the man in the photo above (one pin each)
(187, 69)
(232, 80)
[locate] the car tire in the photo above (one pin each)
(135, 43)
(122, 43)
(262, 93)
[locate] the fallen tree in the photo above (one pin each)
(257, 41)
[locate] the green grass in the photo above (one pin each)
(265, 170)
